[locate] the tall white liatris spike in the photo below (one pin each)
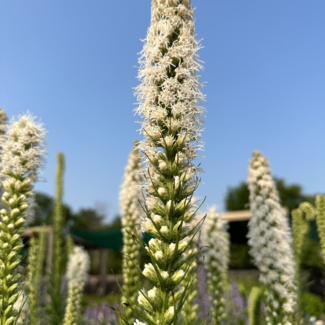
(131, 210)
(216, 240)
(77, 273)
(271, 242)
(169, 101)
(22, 160)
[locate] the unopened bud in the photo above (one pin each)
(150, 272)
(18, 185)
(162, 165)
(169, 315)
(178, 277)
(161, 191)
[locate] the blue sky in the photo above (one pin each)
(73, 64)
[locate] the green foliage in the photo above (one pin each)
(87, 218)
(246, 283)
(311, 254)
(237, 197)
(312, 304)
(240, 257)
(44, 211)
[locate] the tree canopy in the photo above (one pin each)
(237, 197)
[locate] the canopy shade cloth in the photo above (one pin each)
(106, 238)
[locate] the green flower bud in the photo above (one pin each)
(159, 256)
(178, 277)
(23, 207)
(12, 255)
(10, 320)
(8, 310)
(15, 237)
(169, 315)
(13, 288)
(19, 222)
(18, 185)
(13, 299)
(13, 265)
(150, 273)
(155, 244)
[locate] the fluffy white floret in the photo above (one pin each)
(24, 148)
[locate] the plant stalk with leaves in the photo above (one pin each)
(56, 306)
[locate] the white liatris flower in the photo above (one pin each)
(216, 238)
(77, 273)
(271, 241)
(131, 210)
(169, 102)
(22, 160)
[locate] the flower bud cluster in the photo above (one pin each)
(216, 239)
(36, 255)
(271, 242)
(320, 220)
(189, 312)
(169, 99)
(23, 152)
(129, 197)
(300, 227)
(77, 273)
(254, 306)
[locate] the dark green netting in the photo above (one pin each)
(111, 238)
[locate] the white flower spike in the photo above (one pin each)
(271, 241)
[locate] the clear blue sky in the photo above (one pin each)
(72, 63)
